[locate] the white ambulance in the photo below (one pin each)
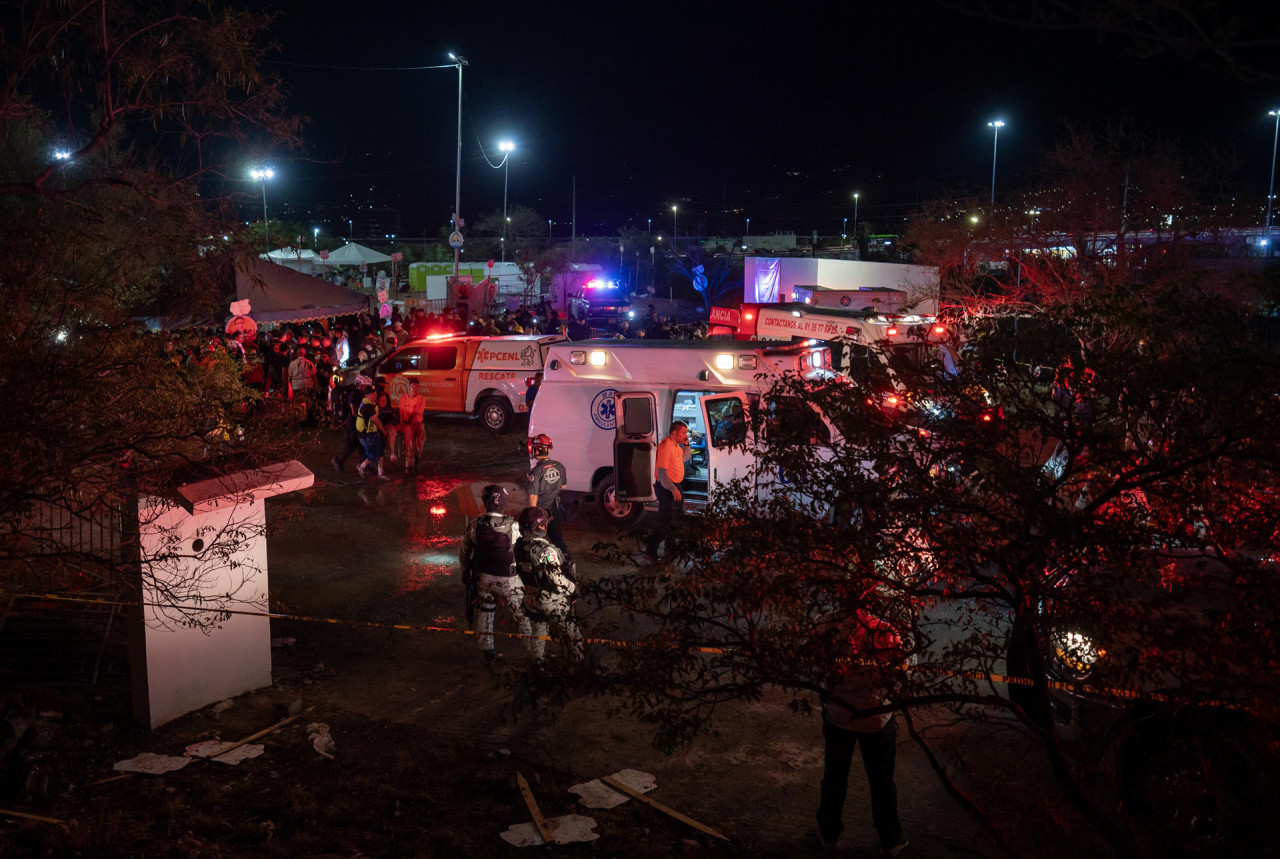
(483, 376)
(607, 403)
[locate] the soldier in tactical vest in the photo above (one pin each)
(549, 584)
(488, 564)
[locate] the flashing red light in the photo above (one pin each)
(437, 510)
(986, 417)
(938, 329)
(892, 400)
(892, 331)
(749, 316)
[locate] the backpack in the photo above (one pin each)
(364, 418)
(492, 554)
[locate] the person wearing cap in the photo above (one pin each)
(543, 484)
(351, 443)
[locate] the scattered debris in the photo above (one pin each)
(595, 794)
(318, 734)
(538, 821)
(22, 814)
(222, 752)
(152, 764)
(564, 830)
(277, 726)
(614, 783)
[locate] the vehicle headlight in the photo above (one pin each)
(1076, 652)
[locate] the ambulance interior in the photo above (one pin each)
(685, 408)
(730, 428)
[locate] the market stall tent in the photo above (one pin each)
(280, 294)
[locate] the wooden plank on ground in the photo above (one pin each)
(635, 794)
(538, 820)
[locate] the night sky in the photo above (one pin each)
(777, 113)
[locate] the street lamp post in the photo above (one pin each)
(748, 235)
(506, 148)
(457, 177)
(262, 174)
(844, 230)
(675, 228)
(315, 237)
(995, 147)
(1272, 187)
(650, 227)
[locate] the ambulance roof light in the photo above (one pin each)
(598, 358)
(724, 361)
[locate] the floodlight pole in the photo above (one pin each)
(457, 179)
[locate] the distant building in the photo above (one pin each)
(829, 282)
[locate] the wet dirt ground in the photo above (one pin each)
(427, 750)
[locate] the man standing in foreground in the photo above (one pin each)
(875, 649)
(488, 564)
(673, 452)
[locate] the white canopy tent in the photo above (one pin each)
(355, 254)
(298, 259)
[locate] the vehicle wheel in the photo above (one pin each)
(619, 513)
(496, 414)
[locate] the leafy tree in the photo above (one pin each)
(709, 277)
(149, 100)
(1110, 549)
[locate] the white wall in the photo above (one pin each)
(918, 281)
(187, 658)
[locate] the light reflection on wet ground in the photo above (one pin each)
(435, 520)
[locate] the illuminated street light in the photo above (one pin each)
(315, 236)
(995, 146)
(844, 230)
(506, 147)
(675, 225)
(62, 155)
(748, 228)
(457, 179)
(262, 174)
(856, 195)
(1272, 187)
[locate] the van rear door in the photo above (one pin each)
(730, 452)
(635, 446)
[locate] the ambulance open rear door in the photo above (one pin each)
(729, 448)
(635, 446)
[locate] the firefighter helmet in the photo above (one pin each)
(540, 445)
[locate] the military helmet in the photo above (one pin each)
(494, 498)
(534, 520)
